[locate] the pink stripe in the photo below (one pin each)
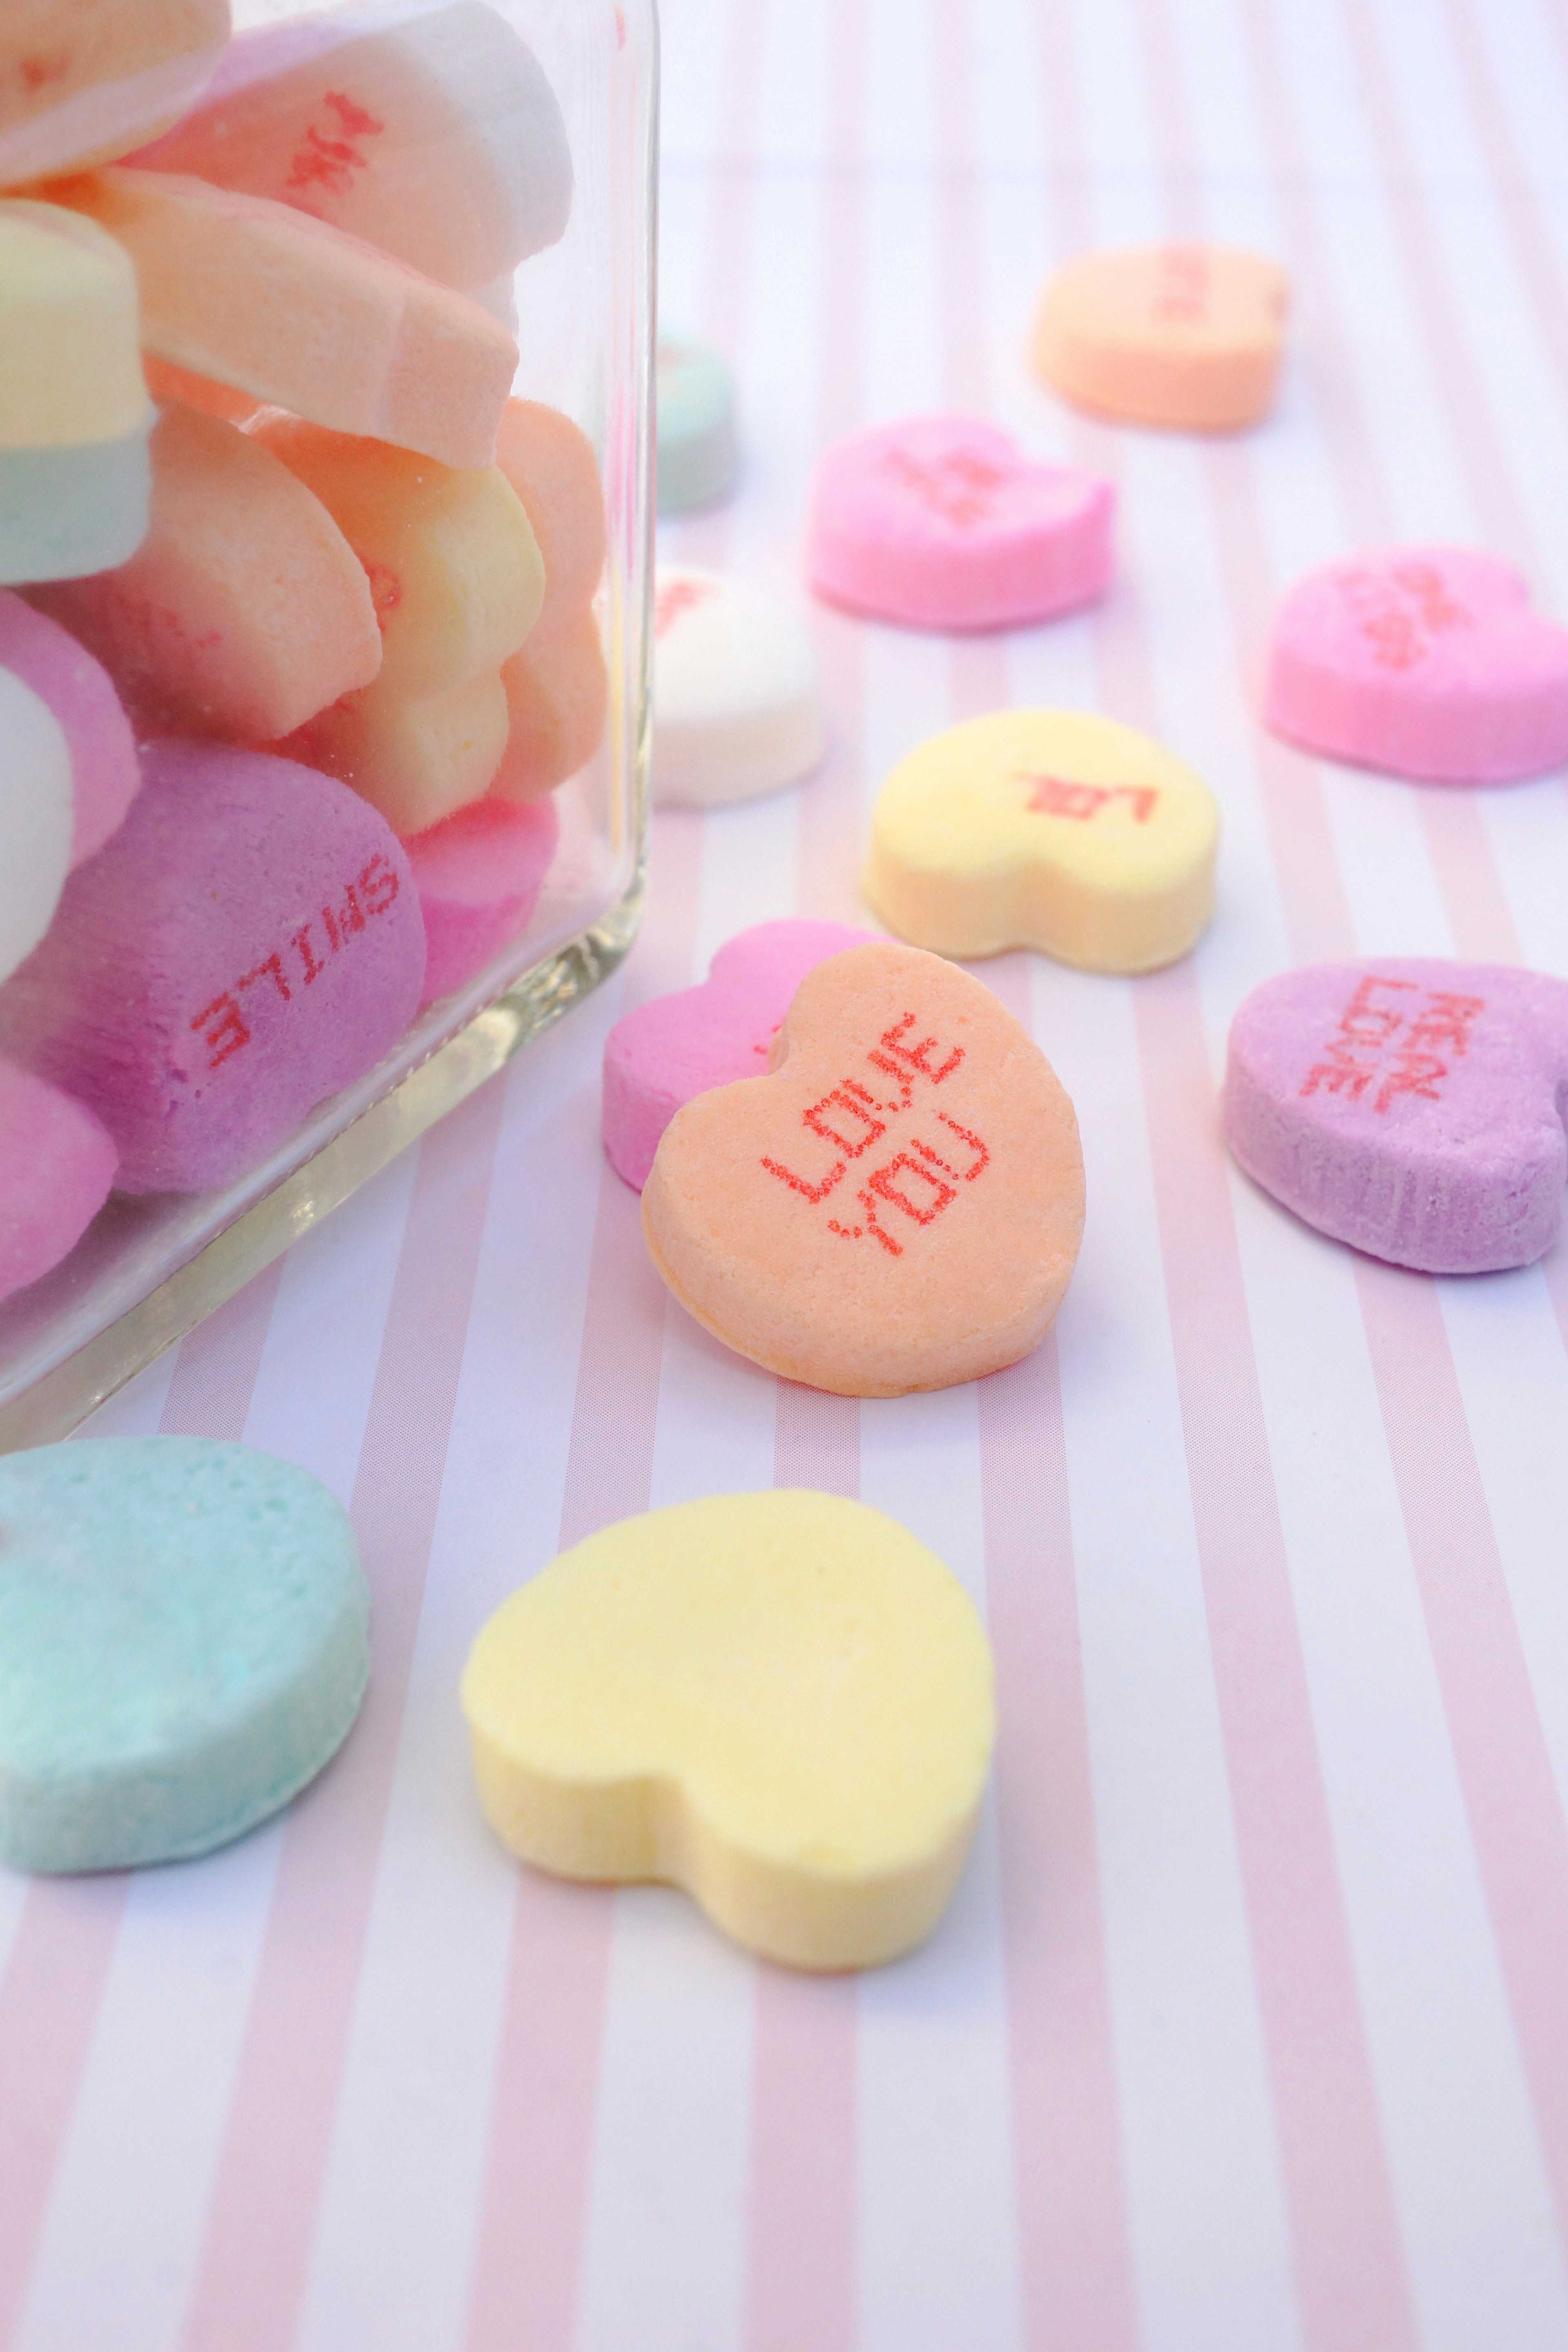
(1505, 1769)
(801, 2267)
(829, 845)
(1348, 2262)
(529, 2252)
(1075, 2261)
(50, 1995)
(803, 2187)
(260, 2229)
(60, 1958)
(1075, 2254)
(801, 2203)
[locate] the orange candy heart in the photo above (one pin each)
(1182, 335)
(898, 1205)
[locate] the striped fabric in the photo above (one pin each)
(1249, 2031)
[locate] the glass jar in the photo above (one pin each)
(371, 247)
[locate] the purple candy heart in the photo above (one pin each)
(247, 943)
(1410, 1106)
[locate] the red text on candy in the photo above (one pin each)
(918, 1180)
(222, 1022)
(1400, 1047)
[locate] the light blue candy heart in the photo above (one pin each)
(182, 1645)
(696, 419)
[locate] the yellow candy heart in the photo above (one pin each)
(1050, 829)
(781, 1701)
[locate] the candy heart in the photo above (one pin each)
(252, 294)
(478, 874)
(247, 942)
(83, 80)
(74, 412)
(36, 818)
(943, 522)
(1413, 1107)
(1427, 661)
(433, 135)
(57, 1164)
(781, 1701)
(695, 420)
(898, 1206)
(105, 769)
(736, 704)
(662, 1054)
(244, 610)
(182, 1647)
(1187, 335)
(1052, 829)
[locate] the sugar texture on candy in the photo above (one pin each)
(807, 1688)
(247, 942)
(182, 1645)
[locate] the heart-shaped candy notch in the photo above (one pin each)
(781, 1701)
(1189, 336)
(1412, 1107)
(1050, 829)
(941, 523)
(660, 1055)
(898, 1206)
(182, 1645)
(1426, 662)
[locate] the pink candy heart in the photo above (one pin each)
(663, 1054)
(1412, 1107)
(1426, 661)
(941, 523)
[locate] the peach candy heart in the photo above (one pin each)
(898, 1205)
(1184, 335)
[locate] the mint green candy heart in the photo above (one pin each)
(182, 1645)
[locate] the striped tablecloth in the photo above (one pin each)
(1248, 2030)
